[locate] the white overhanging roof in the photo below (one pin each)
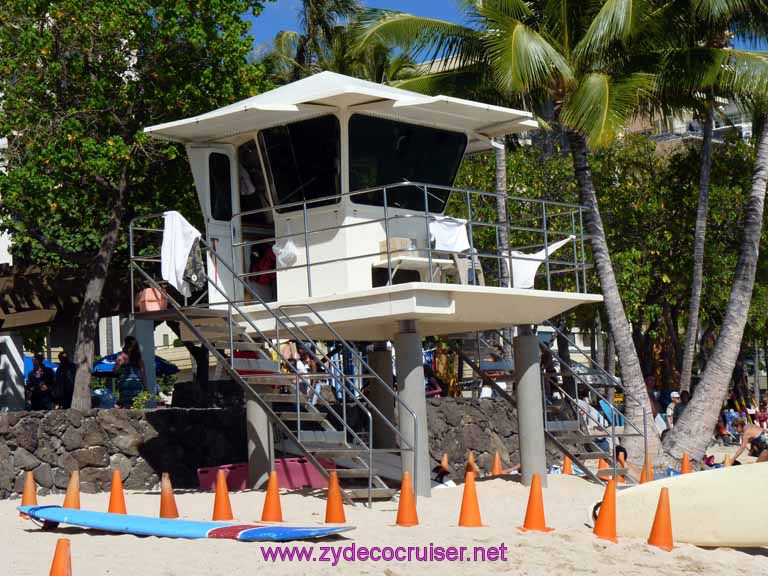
(330, 92)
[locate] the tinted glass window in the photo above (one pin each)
(384, 152)
(221, 186)
(304, 161)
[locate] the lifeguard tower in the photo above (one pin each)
(331, 218)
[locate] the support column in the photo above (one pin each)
(380, 361)
(409, 360)
(260, 443)
(530, 418)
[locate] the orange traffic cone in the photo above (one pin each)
(406, 508)
(647, 474)
(602, 465)
(62, 562)
(496, 469)
(444, 463)
(534, 515)
(222, 509)
(567, 467)
(116, 496)
(471, 466)
(168, 507)
(334, 507)
(470, 507)
(29, 496)
(727, 462)
(272, 511)
(685, 465)
(72, 497)
(622, 461)
(661, 532)
(605, 525)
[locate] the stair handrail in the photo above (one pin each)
(204, 243)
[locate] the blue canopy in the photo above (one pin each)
(105, 366)
(29, 364)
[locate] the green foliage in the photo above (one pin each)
(648, 203)
(79, 82)
(166, 384)
(143, 401)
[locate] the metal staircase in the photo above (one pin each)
(576, 430)
(328, 434)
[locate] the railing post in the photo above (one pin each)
(583, 257)
(426, 223)
(546, 243)
(386, 234)
(471, 240)
(575, 253)
(306, 250)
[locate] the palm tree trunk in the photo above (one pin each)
(503, 248)
(694, 429)
(700, 234)
(632, 376)
(89, 310)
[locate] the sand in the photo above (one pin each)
(570, 550)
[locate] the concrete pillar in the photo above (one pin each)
(410, 379)
(144, 332)
(260, 443)
(380, 361)
(530, 418)
(11, 371)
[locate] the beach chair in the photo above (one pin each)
(468, 267)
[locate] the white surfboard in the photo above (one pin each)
(719, 507)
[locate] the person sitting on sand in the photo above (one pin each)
(753, 435)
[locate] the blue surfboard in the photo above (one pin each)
(174, 528)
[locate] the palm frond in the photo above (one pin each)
(417, 35)
(601, 106)
(719, 10)
(520, 57)
(617, 21)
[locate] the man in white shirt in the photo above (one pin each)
(671, 409)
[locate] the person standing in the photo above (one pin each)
(670, 412)
(40, 385)
(65, 382)
(129, 371)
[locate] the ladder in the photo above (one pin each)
(330, 435)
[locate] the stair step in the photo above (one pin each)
(376, 493)
(245, 346)
(580, 438)
(305, 416)
(608, 472)
(287, 398)
(352, 472)
(593, 455)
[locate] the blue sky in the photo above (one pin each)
(282, 15)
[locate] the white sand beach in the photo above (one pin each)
(570, 550)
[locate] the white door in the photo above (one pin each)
(215, 170)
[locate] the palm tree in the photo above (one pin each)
(702, 33)
(571, 56)
(693, 431)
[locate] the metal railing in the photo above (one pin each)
(236, 315)
(531, 224)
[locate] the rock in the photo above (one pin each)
(44, 475)
(72, 438)
(6, 469)
(61, 478)
(120, 430)
(55, 423)
(96, 476)
(142, 477)
(75, 418)
(24, 460)
(47, 449)
(26, 432)
(122, 463)
(96, 456)
(67, 463)
(4, 424)
(92, 434)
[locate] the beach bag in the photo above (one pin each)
(285, 251)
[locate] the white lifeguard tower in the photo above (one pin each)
(331, 215)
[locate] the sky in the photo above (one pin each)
(282, 15)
